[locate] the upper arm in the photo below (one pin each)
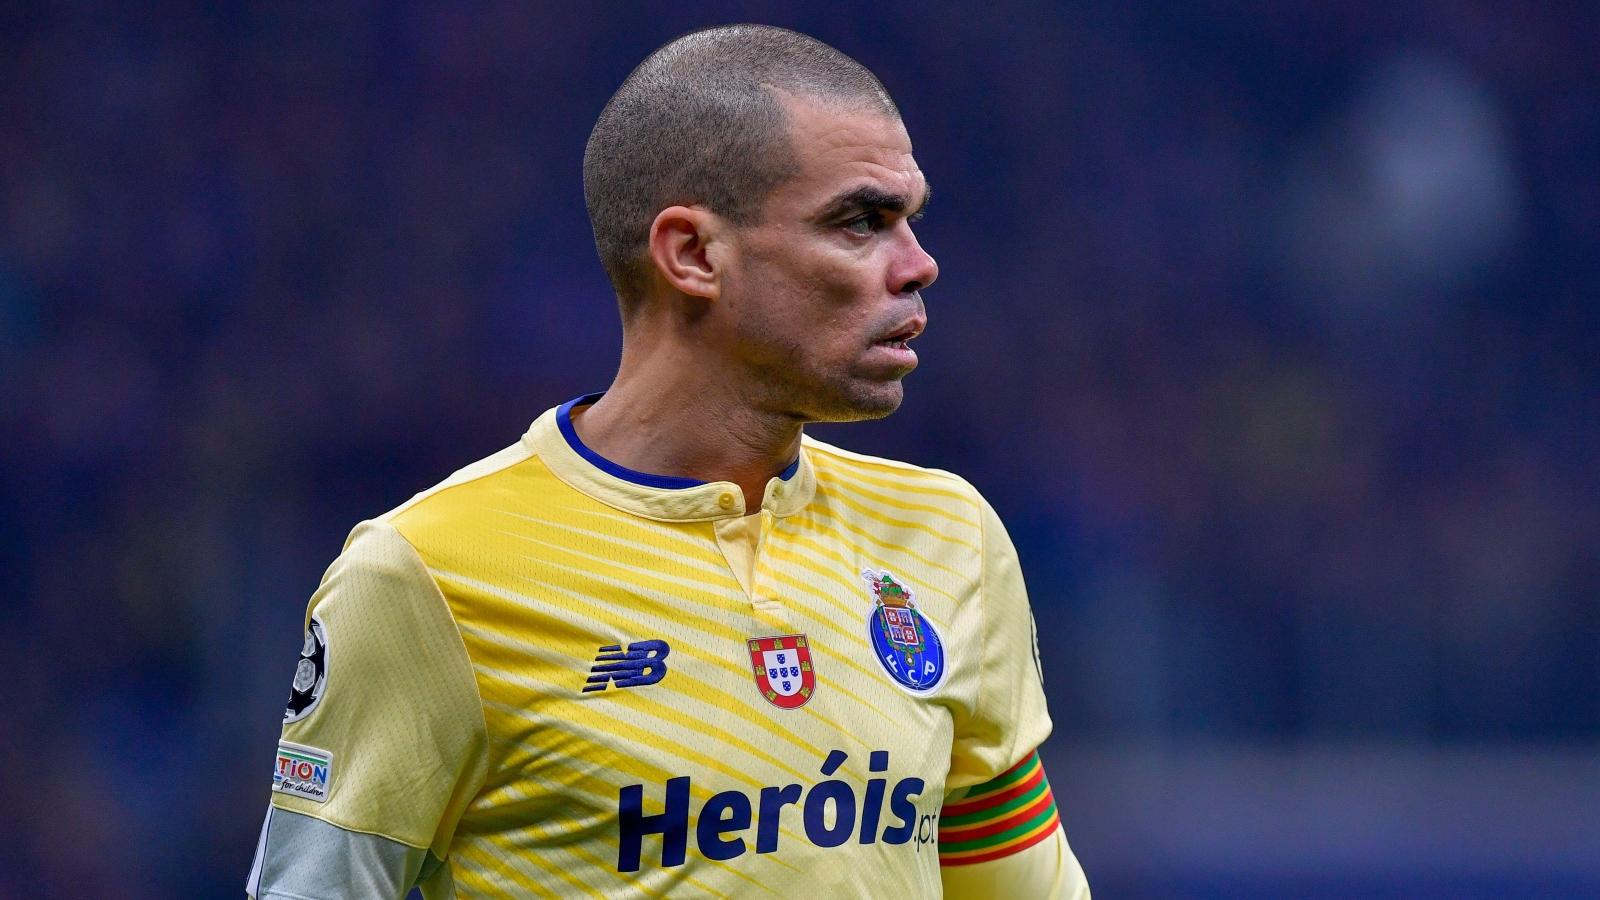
(299, 857)
(1008, 718)
(378, 768)
(1000, 834)
(1046, 870)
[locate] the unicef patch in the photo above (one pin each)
(303, 771)
(310, 674)
(902, 638)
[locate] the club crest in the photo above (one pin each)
(903, 639)
(783, 669)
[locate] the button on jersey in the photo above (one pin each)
(546, 678)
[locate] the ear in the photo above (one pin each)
(681, 239)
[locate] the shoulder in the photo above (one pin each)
(837, 466)
(830, 457)
(467, 495)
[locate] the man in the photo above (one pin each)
(666, 644)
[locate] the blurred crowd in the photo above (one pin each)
(1270, 329)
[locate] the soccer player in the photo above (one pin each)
(665, 644)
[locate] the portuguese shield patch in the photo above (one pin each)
(783, 669)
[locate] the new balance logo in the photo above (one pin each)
(644, 662)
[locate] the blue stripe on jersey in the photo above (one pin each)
(668, 482)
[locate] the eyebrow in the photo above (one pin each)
(868, 198)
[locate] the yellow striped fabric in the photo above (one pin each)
(642, 727)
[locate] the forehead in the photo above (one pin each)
(841, 148)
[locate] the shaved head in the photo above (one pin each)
(701, 122)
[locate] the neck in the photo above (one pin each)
(669, 413)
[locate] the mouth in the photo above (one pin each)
(891, 353)
(902, 335)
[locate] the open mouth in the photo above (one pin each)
(899, 339)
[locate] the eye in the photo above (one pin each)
(863, 225)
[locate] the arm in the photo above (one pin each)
(1003, 838)
(383, 742)
(1000, 834)
(300, 856)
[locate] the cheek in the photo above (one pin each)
(806, 334)
(806, 303)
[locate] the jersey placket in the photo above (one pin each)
(745, 545)
(762, 595)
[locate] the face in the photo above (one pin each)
(821, 293)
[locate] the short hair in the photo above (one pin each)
(698, 122)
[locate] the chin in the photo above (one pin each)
(861, 403)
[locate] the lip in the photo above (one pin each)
(904, 332)
(890, 348)
(895, 356)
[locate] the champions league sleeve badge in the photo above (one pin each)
(310, 674)
(902, 637)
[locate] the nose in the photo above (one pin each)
(914, 269)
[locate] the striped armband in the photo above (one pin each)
(1000, 817)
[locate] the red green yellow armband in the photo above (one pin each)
(1000, 817)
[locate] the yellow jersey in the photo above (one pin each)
(553, 676)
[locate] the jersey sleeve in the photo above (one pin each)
(377, 762)
(1008, 720)
(1045, 871)
(1000, 833)
(1003, 838)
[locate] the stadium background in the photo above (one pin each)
(1270, 329)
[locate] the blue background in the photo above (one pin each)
(1269, 328)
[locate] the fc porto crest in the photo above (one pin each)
(902, 637)
(783, 669)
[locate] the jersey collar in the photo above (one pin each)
(664, 497)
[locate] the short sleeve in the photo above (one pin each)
(1009, 720)
(397, 724)
(1045, 870)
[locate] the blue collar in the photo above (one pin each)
(669, 482)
